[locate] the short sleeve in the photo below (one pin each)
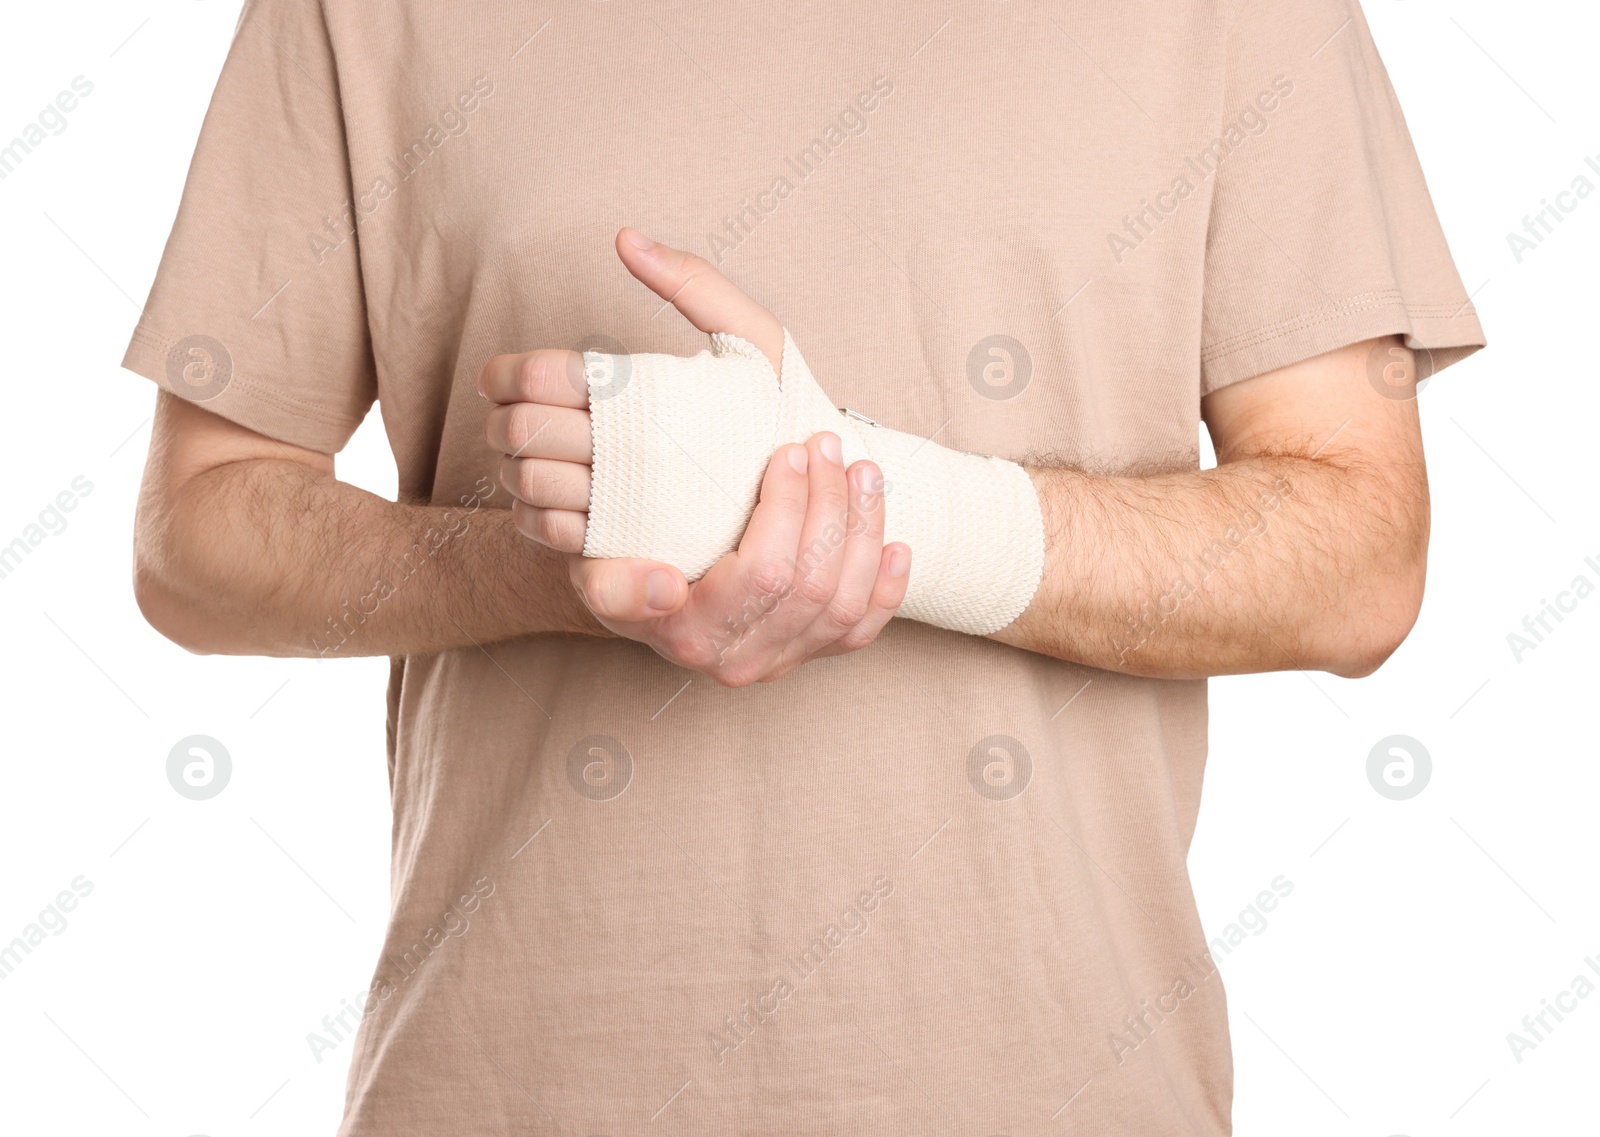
(257, 311)
(1322, 231)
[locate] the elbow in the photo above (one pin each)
(168, 588)
(1371, 649)
(164, 609)
(1379, 620)
(1383, 597)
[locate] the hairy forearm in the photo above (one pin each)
(268, 557)
(1266, 563)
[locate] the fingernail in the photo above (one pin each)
(797, 459)
(899, 562)
(830, 448)
(871, 479)
(660, 590)
(638, 240)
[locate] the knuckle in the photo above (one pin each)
(817, 588)
(694, 267)
(866, 513)
(703, 656)
(718, 660)
(696, 654)
(736, 677)
(529, 369)
(831, 490)
(830, 507)
(771, 578)
(527, 484)
(516, 427)
(856, 639)
(844, 614)
(553, 527)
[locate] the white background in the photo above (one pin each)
(1377, 1000)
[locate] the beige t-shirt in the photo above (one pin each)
(936, 886)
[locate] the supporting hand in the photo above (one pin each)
(810, 577)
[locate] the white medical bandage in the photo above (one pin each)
(681, 445)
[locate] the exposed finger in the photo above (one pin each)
(706, 298)
(549, 375)
(863, 542)
(820, 553)
(888, 593)
(546, 483)
(773, 532)
(759, 575)
(534, 430)
(813, 614)
(561, 529)
(857, 536)
(627, 590)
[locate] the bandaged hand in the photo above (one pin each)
(668, 460)
(679, 447)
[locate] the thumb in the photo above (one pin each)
(704, 297)
(628, 590)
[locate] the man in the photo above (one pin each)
(919, 881)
